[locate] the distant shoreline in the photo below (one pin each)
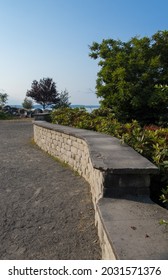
(38, 106)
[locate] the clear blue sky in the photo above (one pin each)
(50, 38)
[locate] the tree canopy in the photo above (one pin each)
(44, 92)
(64, 100)
(3, 99)
(133, 77)
(27, 103)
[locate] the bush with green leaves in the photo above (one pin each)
(4, 116)
(77, 117)
(151, 141)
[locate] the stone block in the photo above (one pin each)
(74, 150)
(124, 184)
(76, 144)
(69, 142)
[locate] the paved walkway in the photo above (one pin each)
(45, 209)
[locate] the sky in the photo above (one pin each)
(51, 38)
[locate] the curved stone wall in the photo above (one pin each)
(71, 150)
(112, 169)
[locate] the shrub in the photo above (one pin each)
(150, 141)
(77, 117)
(4, 116)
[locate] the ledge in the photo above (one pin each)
(106, 152)
(41, 116)
(119, 177)
(133, 229)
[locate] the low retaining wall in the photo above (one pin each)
(112, 169)
(72, 150)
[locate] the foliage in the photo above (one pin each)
(27, 103)
(3, 99)
(77, 117)
(64, 100)
(164, 199)
(4, 116)
(129, 75)
(163, 222)
(164, 196)
(44, 92)
(151, 141)
(101, 120)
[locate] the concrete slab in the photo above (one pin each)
(133, 229)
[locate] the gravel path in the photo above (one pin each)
(45, 209)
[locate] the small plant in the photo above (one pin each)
(163, 222)
(164, 196)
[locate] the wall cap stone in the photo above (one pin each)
(107, 153)
(132, 226)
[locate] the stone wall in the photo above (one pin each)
(73, 151)
(113, 170)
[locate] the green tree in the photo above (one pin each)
(3, 99)
(64, 100)
(129, 75)
(44, 92)
(27, 103)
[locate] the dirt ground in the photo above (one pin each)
(45, 209)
